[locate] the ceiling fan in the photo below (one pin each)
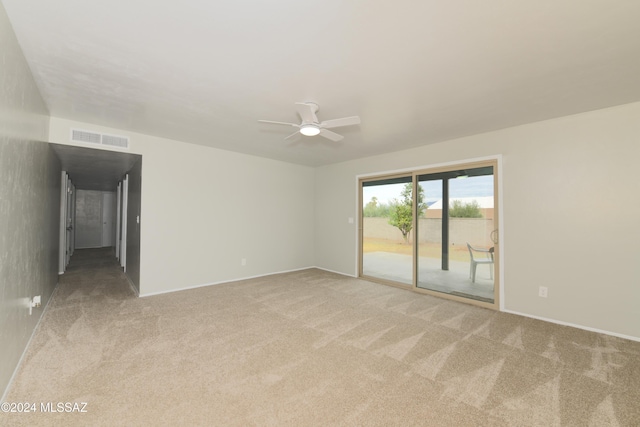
(310, 126)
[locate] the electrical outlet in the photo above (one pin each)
(243, 261)
(542, 291)
(34, 302)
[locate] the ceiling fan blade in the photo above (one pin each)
(292, 135)
(307, 111)
(331, 135)
(346, 121)
(279, 123)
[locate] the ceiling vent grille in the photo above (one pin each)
(85, 136)
(79, 135)
(115, 141)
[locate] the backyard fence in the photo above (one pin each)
(476, 231)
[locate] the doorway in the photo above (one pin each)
(97, 174)
(95, 219)
(434, 231)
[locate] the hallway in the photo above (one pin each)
(92, 273)
(79, 336)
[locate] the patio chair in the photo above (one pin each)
(480, 256)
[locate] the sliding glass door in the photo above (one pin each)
(455, 251)
(440, 238)
(387, 220)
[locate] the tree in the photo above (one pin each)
(370, 209)
(401, 212)
(457, 209)
(375, 209)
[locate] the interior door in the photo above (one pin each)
(118, 218)
(71, 220)
(108, 218)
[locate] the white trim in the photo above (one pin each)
(62, 235)
(26, 347)
(573, 325)
(337, 272)
(501, 231)
(124, 223)
(118, 218)
(436, 165)
(222, 282)
(357, 221)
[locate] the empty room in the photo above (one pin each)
(341, 213)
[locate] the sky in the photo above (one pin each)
(478, 186)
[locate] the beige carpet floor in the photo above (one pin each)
(311, 348)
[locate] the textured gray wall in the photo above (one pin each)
(29, 203)
(29, 208)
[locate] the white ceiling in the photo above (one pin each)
(415, 71)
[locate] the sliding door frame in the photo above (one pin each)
(361, 230)
(493, 161)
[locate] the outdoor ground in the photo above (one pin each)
(430, 250)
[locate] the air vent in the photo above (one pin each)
(79, 135)
(115, 141)
(85, 136)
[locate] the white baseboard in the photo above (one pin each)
(573, 325)
(131, 285)
(24, 351)
(144, 295)
(336, 272)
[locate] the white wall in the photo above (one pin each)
(29, 203)
(571, 214)
(205, 209)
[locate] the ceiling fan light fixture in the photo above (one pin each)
(309, 130)
(311, 126)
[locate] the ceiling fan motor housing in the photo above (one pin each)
(310, 129)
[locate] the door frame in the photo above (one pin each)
(62, 254)
(123, 223)
(496, 161)
(108, 218)
(66, 244)
(118, 218)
